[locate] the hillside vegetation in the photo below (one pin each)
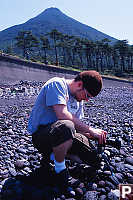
(56, 39)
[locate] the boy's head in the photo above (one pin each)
(92, 81)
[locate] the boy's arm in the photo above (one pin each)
(62, 113)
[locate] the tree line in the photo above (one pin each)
(80, 53)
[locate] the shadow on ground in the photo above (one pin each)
(39, 185)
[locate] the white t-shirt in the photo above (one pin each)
(55, 91)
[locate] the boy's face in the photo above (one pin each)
(81, 93)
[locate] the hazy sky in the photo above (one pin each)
(114, 17)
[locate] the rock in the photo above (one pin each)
(107, 189)
(115, 151)
(93, 195)
(130, 180)
(81, 185)
(129, 167)
(101, 190)
(129, 160)
(12, 171)
(117, 159)
(119, 176)
(79, 192)
(110, 110)
(116, 192)
(110, 185)
(101, 183)
(113, 179)
(120, 166)
(20, 164)
(112, 196)
(21, 150)
(108, 173)
(123, 153)
(74, 183)
(102, 197)
(10, 131)
(94, 186)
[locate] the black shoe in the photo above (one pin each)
(63, 183)
(47, 163)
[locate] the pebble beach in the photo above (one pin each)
(111, 110)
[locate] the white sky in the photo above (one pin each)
(114, 17)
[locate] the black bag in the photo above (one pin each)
(82, 149)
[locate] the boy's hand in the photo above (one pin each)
(98, 134)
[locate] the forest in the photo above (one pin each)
(69, 51)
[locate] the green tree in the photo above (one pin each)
(88, 47)
(130, 58)
(70, 49)
(122, 47)
(9, 50)
(26, 41)
(55, 36)
(45, 46)
(78, 47)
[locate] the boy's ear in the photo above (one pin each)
(80, 84)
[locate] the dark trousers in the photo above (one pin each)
(52, 135)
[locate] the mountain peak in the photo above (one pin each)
(49, 12)
(52, 9)
(52, 18)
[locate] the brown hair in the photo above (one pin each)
(92, 81)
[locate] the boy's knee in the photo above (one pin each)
(63, 131)
(69, 125)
